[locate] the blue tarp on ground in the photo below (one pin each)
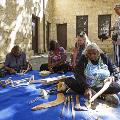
(14, 104)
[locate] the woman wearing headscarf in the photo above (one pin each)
(91, 71)
(57, 59)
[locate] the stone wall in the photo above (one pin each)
(67, 10)
(16, 21)
(16, 24)
(48, 18)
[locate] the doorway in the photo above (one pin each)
(35, 21)
(62, 35)
(48, 26)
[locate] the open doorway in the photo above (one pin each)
(62, 34)
(48, 34)
(35, 21)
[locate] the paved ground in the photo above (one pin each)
(36, 61)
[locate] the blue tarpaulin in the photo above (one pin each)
(14, 103)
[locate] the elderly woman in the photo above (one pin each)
(56, 59)
(16, 61)
(116, 37)
(91, 71)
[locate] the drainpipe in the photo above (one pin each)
(44, 26)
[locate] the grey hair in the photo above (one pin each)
(92, 46)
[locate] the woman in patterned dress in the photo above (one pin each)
(57, 59)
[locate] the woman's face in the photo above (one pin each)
(117, 10)
(80, 40)
(92, 54)
(17, 52)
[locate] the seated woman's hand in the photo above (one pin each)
(50, 68)
(111, 78)
(88, 93)
(12, 71)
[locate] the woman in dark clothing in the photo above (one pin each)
(16, 61)
(56, 59)
(91, 71)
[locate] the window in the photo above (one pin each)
(81, 24)
(104, 24)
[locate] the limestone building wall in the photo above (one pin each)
(16, 24)
(67, 10)
(16, 21)
(48, 4)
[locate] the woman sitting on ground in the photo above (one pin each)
(78, 49)
(91, 71)
(16, 61)
(56, 59)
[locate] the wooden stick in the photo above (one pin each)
(77, 106)
(104, 88)
(108, 81)
(60, 99)
(68, 104)
(32, 78)
(73, 111)
(63, 109)
(50, 81)
(28, 68)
